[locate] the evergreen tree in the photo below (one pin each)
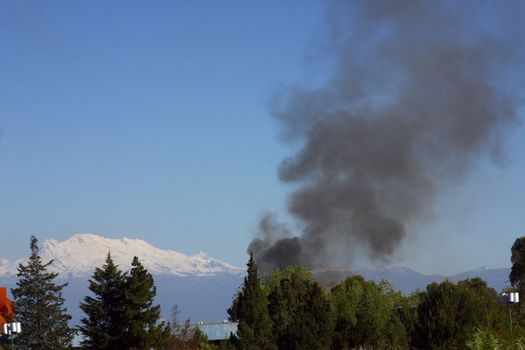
(39, 306)
(300, 310)
(142, 318)
(517, 273)
(105, 326)
(254, 331)
(517, 280)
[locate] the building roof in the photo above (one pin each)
(218, 331)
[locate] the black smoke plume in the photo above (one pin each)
(420, 91)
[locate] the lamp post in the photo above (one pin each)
(10, 329)
(510, 298)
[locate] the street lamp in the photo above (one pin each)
(510, 298)
(10, 330)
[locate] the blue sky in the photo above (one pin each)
(150, 120)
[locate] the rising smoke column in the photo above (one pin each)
(421, 90)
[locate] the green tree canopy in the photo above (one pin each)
(366, 315)
(121, 314)
(104, 327)
(299, 309)
(249, 308)
(448, 315)
(144, 330)
(39, 306)
(517, 272)
(494, 313)
(517, 280)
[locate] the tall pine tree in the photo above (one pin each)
(142, 317)
(104, 327)
(250, 308)
(39, 306)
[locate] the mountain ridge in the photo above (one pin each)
(408, 280)
(202, 287)
(81, 253)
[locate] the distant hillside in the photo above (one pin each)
(407, 280)
(201, 298)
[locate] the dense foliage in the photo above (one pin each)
(39, 306)
(517, 277)
(299, 309)
(517, 272)
(254, 330)
(448, 314)
(103, 326)
(142, 318)
(366, 315)
(121, 314)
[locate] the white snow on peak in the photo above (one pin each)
(82, 253)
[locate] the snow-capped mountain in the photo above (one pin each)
(202, 287)
(80, 254)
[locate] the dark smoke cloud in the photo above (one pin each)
(420, 91)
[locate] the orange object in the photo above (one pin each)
(6, 307)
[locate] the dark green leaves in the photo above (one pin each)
(39, 306)
(254, 330)
(121, 314)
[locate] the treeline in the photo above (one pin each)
(291, 310)
(288, 310)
